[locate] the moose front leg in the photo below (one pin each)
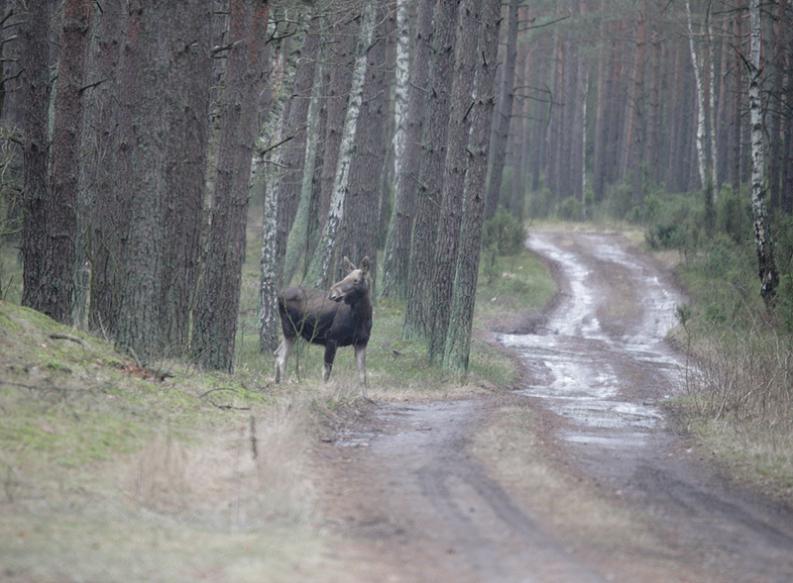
(330, 355)
(360, 361)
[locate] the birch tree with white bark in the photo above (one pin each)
(766, 268)
(705, 163)
(320, 264)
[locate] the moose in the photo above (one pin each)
(340, 317)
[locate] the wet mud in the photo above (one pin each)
(414, 504)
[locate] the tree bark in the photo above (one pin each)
(217, 307)
(498, 148)
(342, 53)
(50, 228)
(767, 272)
(454, 170)
(703, 156)
(319, 270)
(418, 319)
(358, 236)
(298, 233)
(457, 346)
(397, 251)
(104, 212)
(186, 151)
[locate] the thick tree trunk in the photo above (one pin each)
(34, 49)
(319, 270)
(342, 54)
(418, 318)
(397, 251)
(50, 227)
(769, 278)
(217, 306)
(451, 208)
(186, 151)
(298, 233)
(458, 338)
(498, 148)
(104, 212)
(300, 129)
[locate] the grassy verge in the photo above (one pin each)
(738, 401)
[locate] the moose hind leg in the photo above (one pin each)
(281, 356)
(330, 355)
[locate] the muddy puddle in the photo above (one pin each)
(583, 369)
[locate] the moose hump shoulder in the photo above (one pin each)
(341, 316)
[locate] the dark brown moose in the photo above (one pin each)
(340, 317)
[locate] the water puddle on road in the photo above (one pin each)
(606, 386)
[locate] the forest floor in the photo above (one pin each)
(576, 475)
(573, 471)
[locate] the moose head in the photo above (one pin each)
(354, 285)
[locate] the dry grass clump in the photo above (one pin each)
(740, 402)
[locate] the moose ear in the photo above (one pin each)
(349, 265)
(365, 265)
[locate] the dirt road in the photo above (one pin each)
(576, 476)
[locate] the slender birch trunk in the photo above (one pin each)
(767, 272)
(705, 175)
(401, 87)
(269, 184)
(320, 264)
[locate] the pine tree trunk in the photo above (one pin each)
(294, 152)
(397, 251)
(451, 208)
(34, 50)
(342, 53)
(458, 338)
(104, 213)
(217, 306)
(186, 151)
(598, 156)
(633, 141)
(49, 245)
(319, 271)
(769, 278)
(298, 233)
(498, 149)
(418, 318)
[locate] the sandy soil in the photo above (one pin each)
(575, 476)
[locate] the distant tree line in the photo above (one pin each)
(617, 100)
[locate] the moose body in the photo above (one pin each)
(340, 317)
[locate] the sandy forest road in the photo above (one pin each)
(576, 476)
